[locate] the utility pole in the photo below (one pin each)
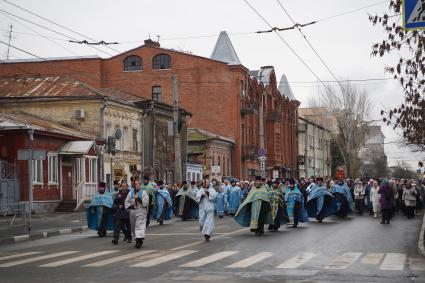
(10, 38)
(177, 140)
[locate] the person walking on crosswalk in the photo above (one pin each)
(206, 197)
(137, 203)
(255, 211)
(295, 204)
(278, 208)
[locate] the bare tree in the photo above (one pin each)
(351, 108)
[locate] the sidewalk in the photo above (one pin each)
(43, 226)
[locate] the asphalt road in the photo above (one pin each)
(358, 249)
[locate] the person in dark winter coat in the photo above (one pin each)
(122, 218)
(387, 199)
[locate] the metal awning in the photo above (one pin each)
(76, 147)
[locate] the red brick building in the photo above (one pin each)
(223, 96)
(70, 159)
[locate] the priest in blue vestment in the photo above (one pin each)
(320, 203)
(295, 204)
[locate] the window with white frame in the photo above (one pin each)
(37, 171)
(92, 170)
(79, 170)
(135, 140)
(52, 160)
(125, 139)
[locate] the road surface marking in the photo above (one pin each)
(37, 258)
(250, 260)
(372, 258)
(18, 255)
(212, 239)
(118, 258)
(75, 259)
(164, 258)
(416, 264)
(393, 261)
(343, 261)
(209, 259)
(297, 261)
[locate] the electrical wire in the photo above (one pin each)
(52, 22)
(49, 29)
(17, 48)
(55, 43)
(309, 43)
(285, 42)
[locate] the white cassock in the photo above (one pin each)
(206, 209)
(138, 214)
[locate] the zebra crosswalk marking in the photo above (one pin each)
(372, 258)
(393, 261)
(118, 258)
(18, 255)
(37, 258)
(297, 261)
(343, 261)
(209, 259)
(250, 260)
(78, 258)
(165, 258)
(416, 264)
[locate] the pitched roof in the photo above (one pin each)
(285, 89)
(59, 87)
(19, 120)
(195, 134)
(224, 51)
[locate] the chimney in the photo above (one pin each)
(150, 42)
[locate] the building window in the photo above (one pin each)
(53, 168)
(125, 139)
(37, 171)
(133, 63)
(118, 143)
(92, 170)
(135, 141)
(79, 170)
(108, 131)
(156, 93)
(161, 61)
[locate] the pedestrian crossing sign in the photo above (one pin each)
(413, 14)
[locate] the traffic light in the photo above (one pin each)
(112, 145)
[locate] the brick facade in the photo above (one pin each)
(213, 91)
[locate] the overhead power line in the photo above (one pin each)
(309, 43)
(284, 41)
(55, 43)
(59, 25)
(22, 50)
(49, 29)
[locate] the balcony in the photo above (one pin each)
(250, 152)
(274, 116)
(248, 107)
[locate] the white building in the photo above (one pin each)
(314, 149)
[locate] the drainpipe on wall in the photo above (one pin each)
(101, 172)
(142, 142)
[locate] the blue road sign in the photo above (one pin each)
(413, 14)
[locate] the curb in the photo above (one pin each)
(41, 235)
(421, 247)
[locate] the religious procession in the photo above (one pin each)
(130, 207)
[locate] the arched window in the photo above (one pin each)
(133, 63)
(161, 61)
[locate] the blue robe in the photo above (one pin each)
(161, 195)
(226, 197)
(345, 191)
(319, 198)
(292, 196)
(219, 203)
(234, 199)
(95, 210)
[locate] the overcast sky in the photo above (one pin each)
(344, 42)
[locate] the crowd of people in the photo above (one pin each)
(131, 207)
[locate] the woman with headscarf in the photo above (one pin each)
(387, 199)
(376, 199)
